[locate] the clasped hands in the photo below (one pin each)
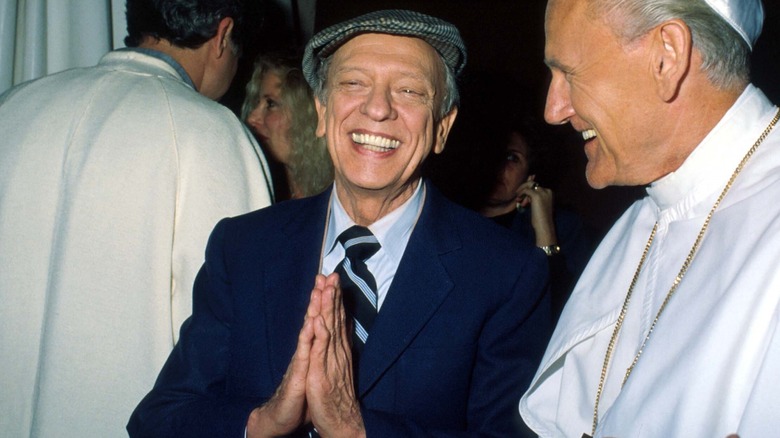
(318, 385)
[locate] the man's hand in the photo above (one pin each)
(287, 410)
(330, 389)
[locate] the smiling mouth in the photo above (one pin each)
(588, 134)
(375, 143)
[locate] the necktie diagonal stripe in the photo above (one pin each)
(359, 240)
(357, 283)
(361, 332)
(360, 282)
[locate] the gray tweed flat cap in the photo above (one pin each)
(441, 35)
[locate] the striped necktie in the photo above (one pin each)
(357, 283)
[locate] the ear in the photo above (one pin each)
(221, 40)
(443, 130)
(672, 45)
(320, 132)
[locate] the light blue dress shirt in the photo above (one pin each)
(392, 232)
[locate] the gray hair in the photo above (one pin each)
(725, 55)
(449, 100)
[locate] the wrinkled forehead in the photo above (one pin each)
(563, 13)
(405, 55)
(568, 29)
(380, 46)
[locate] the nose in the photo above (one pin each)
(379, 105)
(558, 109)
(255, 121)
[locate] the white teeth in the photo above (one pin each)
(588, 134)
(374, 142)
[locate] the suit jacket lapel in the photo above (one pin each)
(420, 285)
(289, 278)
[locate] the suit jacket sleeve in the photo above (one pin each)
(189, 398)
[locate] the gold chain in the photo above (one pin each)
(677, 280)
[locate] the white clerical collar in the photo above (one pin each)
(392, 231)
(708, 167)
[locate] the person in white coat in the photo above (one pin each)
(111, 179)
(673, 329)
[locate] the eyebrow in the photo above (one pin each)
(349, 68)
(555, 64)
(404, 73)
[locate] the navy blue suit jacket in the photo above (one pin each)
(457, 341)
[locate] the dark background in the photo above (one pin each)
(505, 70)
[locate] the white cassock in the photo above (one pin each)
(111, 179)
(712, 364)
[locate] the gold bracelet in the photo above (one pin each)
(551, 250)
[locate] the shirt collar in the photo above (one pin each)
(165, 58)
(709, 166)
(391, 231)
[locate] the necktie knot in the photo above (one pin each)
(359, 243)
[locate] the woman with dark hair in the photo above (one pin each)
(517, 201)
(279, 109)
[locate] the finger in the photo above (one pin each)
(315, 303)
(523, 199)
(286, 408)
(527, 189)
(319, 348)
(339, 356)
(332, 280)
(332, 316)
(305, 337)
(328, 306)
(344, 324)
(341, 312)
(528, 184)
(321, 339)
(324, 331)
(300, 364)
(319, 281)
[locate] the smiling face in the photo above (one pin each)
(382, 94)
(605, 89)
(270, 121)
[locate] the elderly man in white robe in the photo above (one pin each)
(111, 178)
(673, 328)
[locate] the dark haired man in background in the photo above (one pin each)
(112, 178)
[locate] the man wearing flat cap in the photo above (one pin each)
(673, 329)
(444, 316)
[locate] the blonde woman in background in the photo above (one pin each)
(279, 109)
